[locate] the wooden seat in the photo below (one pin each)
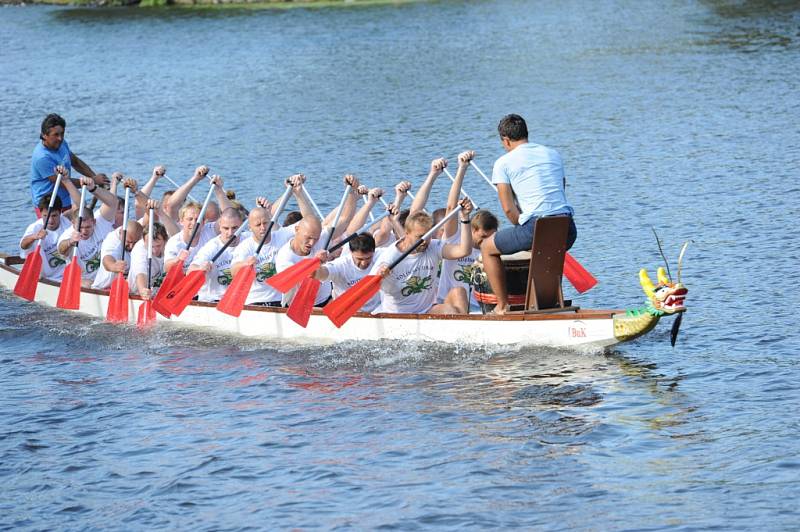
(547, 264)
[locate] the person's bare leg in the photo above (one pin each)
(456, 302)
(493, 267)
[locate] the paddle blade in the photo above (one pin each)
(174, 276)
(579, 276)
(343, 307)
(147, 315)
(69, 295)
(28, 278)
(179, 297)
(294, 275)
(303, 301)
(118, 300)
(233, 300)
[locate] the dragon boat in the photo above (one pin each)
(562, 326)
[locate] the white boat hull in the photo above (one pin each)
(582, 329)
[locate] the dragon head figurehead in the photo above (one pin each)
(666, 297)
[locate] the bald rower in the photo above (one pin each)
(308, 239)
(244, 256)
(111, 262)
(218, 274)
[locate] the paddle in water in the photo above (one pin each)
(147, 314)
(303, 301)
(233, 300)
(69, 295)
(118, 296)
(175, 274)
(28, 278)
(180, 296)
(575, 273)
(343, 307)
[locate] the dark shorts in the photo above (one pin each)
(520, 237)
(267, 304)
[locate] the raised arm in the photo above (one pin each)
(361, 216)
(147, 190)
(455, 191)
(176, 200)
(348, 209)
(219, 192)
(69, 184)
(437, 165)
(109, 208)
(464, 246)
(301, 196)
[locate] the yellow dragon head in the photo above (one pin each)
(666, 296)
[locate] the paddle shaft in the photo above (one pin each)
(176, 185)
(422, 239)
(366, 202)
(284, 199)
(46, 219)
(313, 203)
(354, 234)
(125, 220)
(149, 250)
(200, 217)
(338, 214)
(80, 218)
(464, 192)
(219, 253)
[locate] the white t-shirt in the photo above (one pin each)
(139, 265)
(411, 285)
(112, 245)
(220, 277)
(343, 273)
(286, 257)
(176, 243)
(89, 249)
(261, 292)
(458, 272)
(52, 263)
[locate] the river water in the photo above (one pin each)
(678, 115)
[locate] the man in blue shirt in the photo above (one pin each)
(530, 184)
(53, 151)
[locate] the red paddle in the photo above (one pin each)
(175, 274)
(69, 295)
(181, 295)
(303, 300)
(147, 314)
(343, 307)
(233, 300)
(118, 296)
(28, 278)
(575, 273)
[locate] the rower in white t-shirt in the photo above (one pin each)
(218, 273)
(410, 286)
(137, 276)
(455, 273)
(245, 255)
(350, 268)
(111, 262)
(92, 231)
(309, 239)
(52, 263)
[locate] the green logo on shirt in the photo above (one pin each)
(55, 261)
(465, 274)
(93, 263)
(265, 271)
(415, 285)
(224, 278)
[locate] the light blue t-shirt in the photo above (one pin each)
(43, 165)
(536, 174)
